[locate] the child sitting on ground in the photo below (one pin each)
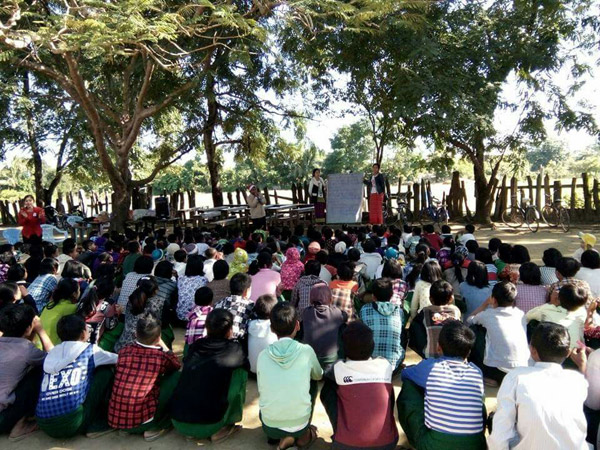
(260, 335)
(425, 329)
(360, 387)
(146, 375)
(542, 406)
(569, 311)
(63, 303)
(239, 303)
(505, 338)
(21, 373)
(197, 317)
(413, 241)
(209, 397)
(75, 388)
(466, 235)
(434, 239)
(286, 393)
(451, 412)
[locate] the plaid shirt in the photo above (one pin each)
(196, 324)
(387, 330)
(41, 289)
(301, 293)
(241, 308)
(135, 392)
(530, 296)
(575, 282)
(344, 299)
(400, 289)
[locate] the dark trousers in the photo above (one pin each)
(26, 397)
(260, 223)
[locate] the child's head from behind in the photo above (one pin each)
(590, 259)
(446, 229)
(148, 329)
(551, 256)
(346, 271)
(180, 256)
(530, 273)
(264, 305)
(431, 271)
(504, 293)
(219, 324)
(312, 267)
(9, 293)
(472, 246)
(358, 341)
(567, 267)
(416, 231)
(456, 340)
(71, 328)
(550, 342)
(284, 320)
(441, 293)
(240, 284)
(220, 269)
(470, 228)
(494, 245)
(67, 289)
(572, 297)
(16, 321)
(428, 228)
(382, 289)
(203, 296)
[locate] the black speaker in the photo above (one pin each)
(161, 205)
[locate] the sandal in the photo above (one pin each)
(231, 430)
(313, 437)
(286, 443)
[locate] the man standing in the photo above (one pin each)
(256, 202)
(376, 195)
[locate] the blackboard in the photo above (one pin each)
(344, 198)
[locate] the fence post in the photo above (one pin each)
(587, 198)
(417, 199)
(294, 196)
(557, 191)
(596, 196)
(573, 196)
(230, 197)
(513, 191)
(424, 199)
(538, 192)
(267, 198)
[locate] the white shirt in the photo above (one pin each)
(373, 261)
(593, 377)
(208, 269)
(325, 275)
(592, 276)
(373, 185)
(260, 337)
(540, 407)
(179, 267)
(466, 238)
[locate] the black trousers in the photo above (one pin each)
(260, 223)
(26, 397)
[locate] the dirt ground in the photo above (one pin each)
(252, 437)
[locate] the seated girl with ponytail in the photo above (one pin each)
(144, 299)
(63, 303)
(98, 310)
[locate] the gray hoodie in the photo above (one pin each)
(66, 352)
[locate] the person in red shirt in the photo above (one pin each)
(30, 218)
(145, 378)
(434, 239)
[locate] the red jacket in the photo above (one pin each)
(31, 223)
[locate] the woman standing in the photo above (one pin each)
(317, 188)
(31, 218)
(376, 195)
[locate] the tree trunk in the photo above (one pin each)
(33, 145)
(483, 203)
(214, 166)
(121, 200)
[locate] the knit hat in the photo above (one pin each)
(588, 239)
(340, 247)
(191, 249)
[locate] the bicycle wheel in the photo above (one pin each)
(513, 217)
(550, 215)
(564, 219)
(423, 216)
(531, 218)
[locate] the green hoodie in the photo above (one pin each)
(284, 371)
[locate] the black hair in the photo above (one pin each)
(146, 288)
(494, 244)
(264, 260)
(551, 257)
(457, 261)
(220, 269)
(283, 319)
(376, 164)
(391, 269)
(519, 255)
(484, 255)
(66, 289)
(87, 244)
(15, 319)
(431, 271)
(103, 288)
(8, 293)
(180, 256)
(203, 296)
(552, 342)
(504, 252)
(590, 259)
(263, 306)
(194, 266)
(382, 289)
(446, 229)
(345, 271)
(369, 246)
(133, 246)
(239, 283)
(164, 269)
(218, 323)
(69, 328)
(472, 246)
(440, 293)
(322, 256)
(143, 265)
(148, 249)
(413, 276)
(48, 266)
(417, 231)
(50, 250)
(505, 293)
(358, 341)
(529, 273)
(477, 274)
(68, 246)
(251, 247)
(422, 252)
(567, 267)
(572, 297)
(470, 228)
(428, 228)
(74, 269)
(16, 273)
(312, 267)
(354, 254)
(148, 328)
(456, 340)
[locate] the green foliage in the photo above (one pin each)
(544, 154)
(352, 149)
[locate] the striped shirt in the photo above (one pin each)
(453, 394)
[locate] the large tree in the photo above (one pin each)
(130, 64)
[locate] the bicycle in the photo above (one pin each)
(436, 212)
(514, 216)
(555, 214)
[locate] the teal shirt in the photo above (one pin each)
(284, 371)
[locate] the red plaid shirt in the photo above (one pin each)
(135, 392)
